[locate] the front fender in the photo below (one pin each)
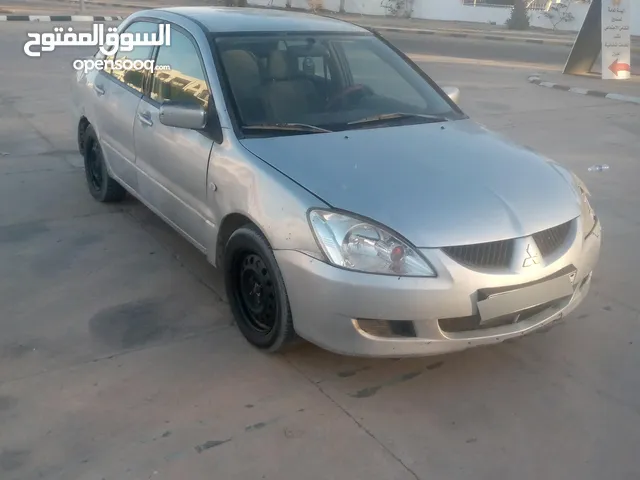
(240, 183)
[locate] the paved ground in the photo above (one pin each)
(628, 90)
(548, 60)
(41, 6)
(529, 56)
(118, 360)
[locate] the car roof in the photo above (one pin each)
(227, 20)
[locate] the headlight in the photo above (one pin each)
(358, 245)
(589, 218)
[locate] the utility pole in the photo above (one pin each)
(342, 6)
(81, 6)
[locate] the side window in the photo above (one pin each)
(185, 80)
(130, 76)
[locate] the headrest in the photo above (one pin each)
(278, 66)
(242, 67)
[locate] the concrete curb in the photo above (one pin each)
(583, 91)
(109, 4)
(472, 35)
(59, 18)
(480, 36)
(130, 5)
(419, 31)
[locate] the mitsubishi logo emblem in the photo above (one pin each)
(531, 259)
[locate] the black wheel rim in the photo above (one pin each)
(94, 166)
(255, 292)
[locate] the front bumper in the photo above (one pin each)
(327, 303)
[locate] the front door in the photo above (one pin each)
(172, 162)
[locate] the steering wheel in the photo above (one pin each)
(350, 95)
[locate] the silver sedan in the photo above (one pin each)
(345, 196)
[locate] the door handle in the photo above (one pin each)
(145, 118)
(99, 89)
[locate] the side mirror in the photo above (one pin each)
(453, 93)
(183, 115)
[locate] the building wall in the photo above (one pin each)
(266, 3)
(579, 11)
(366, 7)
(454, 10)
(331, 5)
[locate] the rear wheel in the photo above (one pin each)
(256, 290)
(101, 186)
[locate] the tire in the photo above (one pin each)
(256, 291)
(101, 186)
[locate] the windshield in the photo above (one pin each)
(324, 82)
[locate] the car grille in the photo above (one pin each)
(549, 241)
(498, 254)
(483, 255)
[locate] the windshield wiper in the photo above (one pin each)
(287, 127)
(396, 116)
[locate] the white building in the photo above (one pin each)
(484, 11)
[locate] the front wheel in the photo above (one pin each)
(256, 290)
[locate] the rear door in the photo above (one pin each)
(173, 162)
(119, 92)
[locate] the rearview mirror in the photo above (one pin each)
(453, 93)
(183, 115)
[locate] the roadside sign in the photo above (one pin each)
(616, 39)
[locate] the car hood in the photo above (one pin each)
(437, 184)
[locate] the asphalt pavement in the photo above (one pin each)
(541, 56)
(118, 359)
